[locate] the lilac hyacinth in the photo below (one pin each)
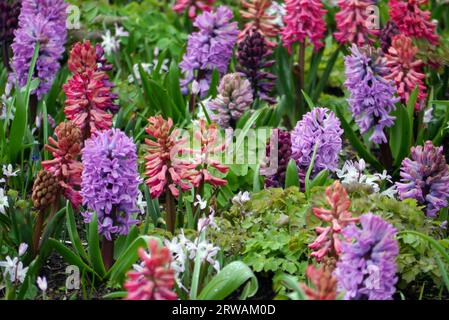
(425, 177)
(367, 265)
(110, 181)
(43, 22)
(372, 97)
(319, 126)
(209, 48)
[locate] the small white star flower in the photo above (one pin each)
(3, 201)
(202, 203)
(42, 283)
(8, 171)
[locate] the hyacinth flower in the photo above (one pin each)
(259, 19)
(193, 7)
(324, 284)
(253, 56)
(406, 70)
(367, 266)
(386, 35)
(234, 97)
(412, 21)
(154, 279)
(84, 56)
(329, 240)
(66, 149)
(320, 129)
(9, 14)
(304, 19)
(209, 48)
(166, 171)
(283, 153)
(372, 97)
(425, 177)
(109, 187)
(207, 136)
(353, 22)
(44, 23)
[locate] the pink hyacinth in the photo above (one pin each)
(405, 69)
(412, 21)
(353, 22)
(328, 241)
(193, 6)
(155, 279)
(304, 18)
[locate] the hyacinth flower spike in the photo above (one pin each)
(9, 14)
(193, 7)
(324, 284)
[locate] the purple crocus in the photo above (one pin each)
(276, 178)
(372, 97)
(209, 48)
(110, 180)
(43, 22)
(367, 265)
(425, 177)
(319, 126)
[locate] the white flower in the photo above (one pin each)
(428, 115)
(110, 43)
(141, 203)
(147, 67)
(241, 198)
(22, 249)
(208, 221)
(207, 252)
(14, 268)
(8, 171)
(3, 201)
(202, 203)
(195, 87)
(42, 283)
(178, 251)
(164, 63)
(120, 31)
(390, 192)
(278, 11)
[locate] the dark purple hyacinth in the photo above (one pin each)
(366, 269)
(9, 13)
(319, 126)
(276, 179)
(372, 97)
(110, 181)
(43, 22)
(209, 48)
(253, 58)
(425, 177)
(387, 34)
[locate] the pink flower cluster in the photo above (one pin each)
(193, 6)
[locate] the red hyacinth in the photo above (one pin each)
(65, 166)
(207, 136)
(304, 18)
(324, 284)
(193, 6)
(89, 98)
(155, 278)
(328, 243)
(163, 167)
(82, 57)
(353, 22)
(412, 21)
(405, 69)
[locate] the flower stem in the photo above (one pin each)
(38, 231)
(5, 56)
(386, 156)
(107, 253)
(170, 218)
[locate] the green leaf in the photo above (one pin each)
(93, 240)
(431, 241)
(229, 279)
(309, 170)
(325, 76)
(291, 283)
(291, 175)
(174, 89)
(256, 179)
(116, 295)
(400, 135)
(308, 100)
(214, 82)
(241, 137)
(320, 179)
(443, 271)
(73, 232)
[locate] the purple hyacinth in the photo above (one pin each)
(372, 97)
(367, 265)
(209, 48)
(42, 21)
(110, 180)
(387, 34)
(9, 14)
(276, 178)
(425, 177)
(317, 126)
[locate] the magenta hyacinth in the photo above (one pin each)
(43, 22)
(209, 48)
(110, 181)
(367, 266)
(304, 19)
(319, 126)
(425, 177)
(372, 97)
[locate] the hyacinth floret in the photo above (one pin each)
(193, 6)
(276, 179)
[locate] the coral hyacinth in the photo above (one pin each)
(328, 242)
(193, 6)
(304, 19)
(425, 177)
(154, 279)
(406, 70)
(65, 166)
(412, 21)
(353, 22)
(255, 11)
(324, 284)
